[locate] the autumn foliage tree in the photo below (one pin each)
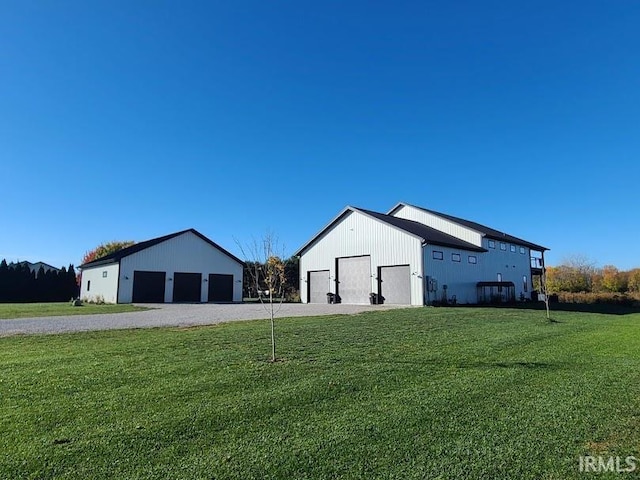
(105, 249)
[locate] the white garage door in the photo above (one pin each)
(318, 286)
(354, 279)
(395, 285)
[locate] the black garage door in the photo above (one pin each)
(148, 287)
(220, 287)
(187, 287)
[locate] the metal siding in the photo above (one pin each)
(107, 287)
(357, 235)
(461, 278)
(184, 253)
(512, 265)
(439, 223)
(395, 285)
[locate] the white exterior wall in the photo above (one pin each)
(461, 278)
(434, 221)
(358, 234)
(104, 287)
(184, 253)
(512, 266)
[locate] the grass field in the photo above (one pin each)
(419, 393)
(29, 310)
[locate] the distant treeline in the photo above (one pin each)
(19, 284)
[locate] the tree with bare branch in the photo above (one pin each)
(264, 258)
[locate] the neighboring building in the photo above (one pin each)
(35, 267)
(415, 256)
(181, 267)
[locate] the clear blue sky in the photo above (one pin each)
(133, 119)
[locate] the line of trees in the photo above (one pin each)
(18, 284)
(255, 270)
(578, 274)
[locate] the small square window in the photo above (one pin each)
(438, 255)
(473, 259)
(455, 257)
(513, 248)
(492, 244)
(522, 250)
(104, 274)
(503, 246)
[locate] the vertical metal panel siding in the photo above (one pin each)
(462, 277)
(439, 223)
(105, 287)
(357, 235)
(185, 253)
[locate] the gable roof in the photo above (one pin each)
(427, 234)
(486, 231)
(137, 247)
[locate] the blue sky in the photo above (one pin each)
(133, 119)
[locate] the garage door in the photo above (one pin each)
(395, 284)
(354, 279)
(187, 287)
(220, 287)
(148, 287)
(318, 284)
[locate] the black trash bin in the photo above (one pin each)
(331, 297)
(373, 298)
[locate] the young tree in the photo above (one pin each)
(267, 276)
(544, 290)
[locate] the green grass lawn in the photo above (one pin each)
(402, 394)
(28, 310)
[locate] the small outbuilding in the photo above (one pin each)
(184, 266)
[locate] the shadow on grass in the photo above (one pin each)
(602, 308)
(509, 365)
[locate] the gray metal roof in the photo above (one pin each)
(483, 229)
(427, 234)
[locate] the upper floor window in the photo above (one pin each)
(455, 257)
(513, 248)
(503, 246)
(438, 255)
(522, 250)
(473, 259)
(104, 274)
(492, 244)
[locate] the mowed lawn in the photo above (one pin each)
(30, 310)
(403, 394)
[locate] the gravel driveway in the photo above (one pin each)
(172, 315)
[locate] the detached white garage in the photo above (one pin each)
(184, 266)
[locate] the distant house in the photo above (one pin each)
(184, 266)
(35, 267)
(415, 256)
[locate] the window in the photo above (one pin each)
(88, 285)
(513, 249)
(438, 255)
(492, 244)
(455, 257)
(503, 246)
(500, 279)
(104, 274)
(473, 259)
(525, 283)
(522, 250)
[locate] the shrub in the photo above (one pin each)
(605, 298)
